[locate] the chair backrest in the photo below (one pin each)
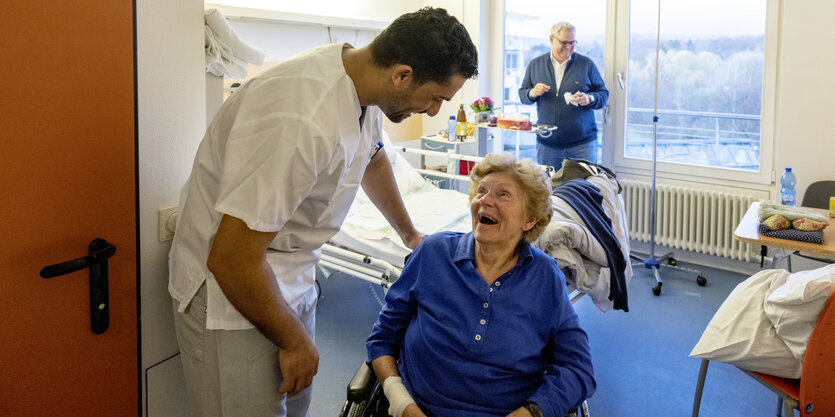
(818, 193)
(817, 379)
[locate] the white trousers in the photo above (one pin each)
(233, 373)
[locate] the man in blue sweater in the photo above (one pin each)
(566, 88)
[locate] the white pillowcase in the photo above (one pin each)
(741, 334)
(794, 308)
(408, 179)
(765, 323)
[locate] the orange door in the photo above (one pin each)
(67, 176)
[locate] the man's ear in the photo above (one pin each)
(402, 75)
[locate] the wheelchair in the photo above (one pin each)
(366, 398)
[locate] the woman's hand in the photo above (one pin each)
(412, 410)
(520, 412)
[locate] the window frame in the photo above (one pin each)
(614, 114)
(615, 126)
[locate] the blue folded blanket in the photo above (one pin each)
(585, 198)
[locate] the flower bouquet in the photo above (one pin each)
(483, 105)
(483, 108)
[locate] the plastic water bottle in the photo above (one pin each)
(787, 193)
(450, 130)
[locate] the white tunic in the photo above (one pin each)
(285, 154)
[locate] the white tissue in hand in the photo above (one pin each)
(568, 99)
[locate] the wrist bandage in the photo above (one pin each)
(397, 395)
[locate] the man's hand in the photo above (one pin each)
(381, 187)
(413, 240)
(582, 99)
(298, 362)
(538, 90)
(412, 410)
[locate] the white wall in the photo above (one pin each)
(171, 108)
(803, 130)
(478, 16)
(268, 37)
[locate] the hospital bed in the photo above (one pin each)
(368, 248)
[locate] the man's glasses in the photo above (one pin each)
(566, 43)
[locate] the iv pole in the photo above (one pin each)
(651, 262)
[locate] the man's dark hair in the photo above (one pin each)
(430, 41)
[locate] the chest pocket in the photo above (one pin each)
(580, 85)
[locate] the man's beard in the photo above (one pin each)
(394, 107)
(398, 117)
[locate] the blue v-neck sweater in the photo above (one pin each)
(575, 124)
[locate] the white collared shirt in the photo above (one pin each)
(559, 71)
(285, 154)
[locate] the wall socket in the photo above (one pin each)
(167, 223)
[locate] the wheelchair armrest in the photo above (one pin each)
(359, 389)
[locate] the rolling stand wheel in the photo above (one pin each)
(702, 281)
(656, 290)
(672, 261)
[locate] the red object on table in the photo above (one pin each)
(464, 167)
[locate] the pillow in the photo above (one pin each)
(794, 308)
(741, 334)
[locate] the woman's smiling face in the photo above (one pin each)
(498, 211)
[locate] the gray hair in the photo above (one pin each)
(562, 25)
(536, 188)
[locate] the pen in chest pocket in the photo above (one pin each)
(377, 148)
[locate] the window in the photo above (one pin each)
(511, 61)
(527, 27)
(716, 88)
(710, 82)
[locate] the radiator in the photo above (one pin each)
(692, 219)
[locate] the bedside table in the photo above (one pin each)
(441, 144)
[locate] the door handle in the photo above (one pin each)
(96, 260)
(620, 81)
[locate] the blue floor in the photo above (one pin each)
(641, 358)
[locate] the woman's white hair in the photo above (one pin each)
(536, 188)
(562, 25)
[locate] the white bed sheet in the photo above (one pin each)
(432, 210)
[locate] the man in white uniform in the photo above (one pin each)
(272, 181)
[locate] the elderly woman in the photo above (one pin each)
(481, 322)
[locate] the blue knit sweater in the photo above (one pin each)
(575, 124)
